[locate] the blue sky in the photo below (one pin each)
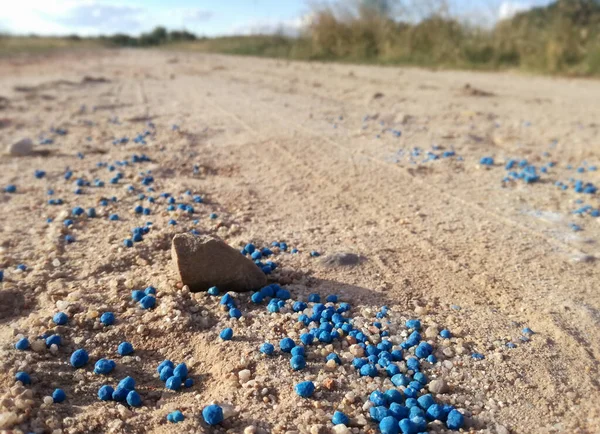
(204, 17)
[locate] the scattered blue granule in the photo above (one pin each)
(134, 399)
(455, 420)
(448, 154)
(413, 324)
(379, 413)
(148, 302)
(59, 395)
(175, 416)
(368, 370)
(226, 334)
(286, 345)
(510, 164)
(477, 356)
(23, 377)
(105, 393)
(79, 358)
(527, 331)
(22, 267)
(267, 348)
(487, 161)
(212, 414)
(10, 188)
(574, 227)
(39, 174)
(581, 169)
(53, 340)
(298, 362)
(340, 418)
(60, 318)
(511, 345)
(315, 254)
(104, 366)
(22, 344)
(181, 371)
(125, 348)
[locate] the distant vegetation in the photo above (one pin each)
(563, 38)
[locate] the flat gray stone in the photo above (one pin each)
(203, 261)
(341, 259)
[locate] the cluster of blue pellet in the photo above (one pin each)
(257, 254)
(174, 376)
(589, 210)
(137, 235)
(528, 172)
(124, 392)
(145, 298)
(419, 156)
(397, 410)
(486, 161)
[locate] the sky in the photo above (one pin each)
(203, 17)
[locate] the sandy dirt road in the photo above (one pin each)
(322, 156)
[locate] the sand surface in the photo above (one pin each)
(320, 156)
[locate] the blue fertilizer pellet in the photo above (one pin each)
(267, 348)
(181, 371)
(79, 358)
(105, 393)
(314, 254)
(53, 340)
(286, 345)
(59, 395)
(212, 414)
(137, 295)
(128, 242)
(413, 324)
(455, 420)
(175, 417)
(60, 318)
(477, 356)
(134, 399)
(213, 291)
(127, 383)
(298, 351)
(213, 216)
(298, 363)
(11, 188)
(226, 334)
(340, 418)
(113, 217)
(166, 373)
(23, 377)
(163, 364)
(235, 313)
(107, 318)
(125, 348)
(368, 370)
(407, 427)
(399, 411)
(446, 334)
(378, 398)
(22, 344)
(148, 302)
(307, 338)
(527, 331)
(188, 383)
(305, 389)
(104, 366)
(378, 413)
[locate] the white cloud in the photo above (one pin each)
(292, 27)
(508, 9)
(93, 17)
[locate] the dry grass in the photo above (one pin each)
(13, 45)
